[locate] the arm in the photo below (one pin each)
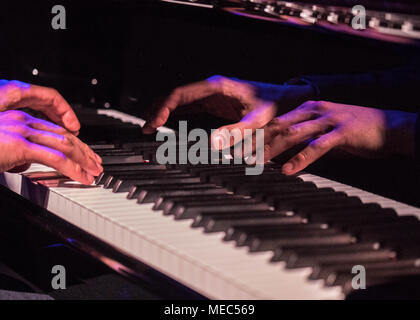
(395, 88)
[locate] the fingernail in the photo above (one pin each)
(287, 168)
(71, 122)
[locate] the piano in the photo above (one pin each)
(213, 230)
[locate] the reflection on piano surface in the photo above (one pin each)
(390, 21)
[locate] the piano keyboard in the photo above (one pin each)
(270, 237)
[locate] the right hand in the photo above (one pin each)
(25, 139)
(250, 104)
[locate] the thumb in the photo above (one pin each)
(229, 135)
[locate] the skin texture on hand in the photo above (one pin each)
(324, 125)
(16, 94)
(250, 104)
(358, 130)
(25, 139)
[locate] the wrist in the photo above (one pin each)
(308, 92)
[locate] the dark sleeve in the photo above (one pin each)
(392, 89)
(417, 149)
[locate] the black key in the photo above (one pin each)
(232, 180)
(118, 159)
(330, 237)
(193, 193)
(403, 223)
(189, 209)
(143, 173)
(346, 222)
(227, 169)
(323, 271)
(168, 201)
(339, 255)
(110, 179)
(203, 218)
(246, 234)
(116, 152)
(141, 144)
(133, 167)
(223, 223)
(300, 194)
(208, 170)
(321, 200)
(123, 185)
(136, 169)
(152, 193)
(284, 253)
(330, 213)
(102, 146)
(274, 188)
(148, 193)
(380, 277)
(408, 234)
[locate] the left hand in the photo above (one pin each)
(358, 130)
(16, 94)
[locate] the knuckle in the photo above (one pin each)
(11, 92)
(55, 157)
(307, 105)
(292, 130)
(225, 86)
(15, 127)
(217, 78)
(17, 115)
(341, 136)
(322, 144)
(54, 96)
(15, 83)
(23, 147)
(22, 129)
(176, 95)
(51, 91)
(67, 139)
(334, 118)
(303, 156)
(322, 105)
(275, 126)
